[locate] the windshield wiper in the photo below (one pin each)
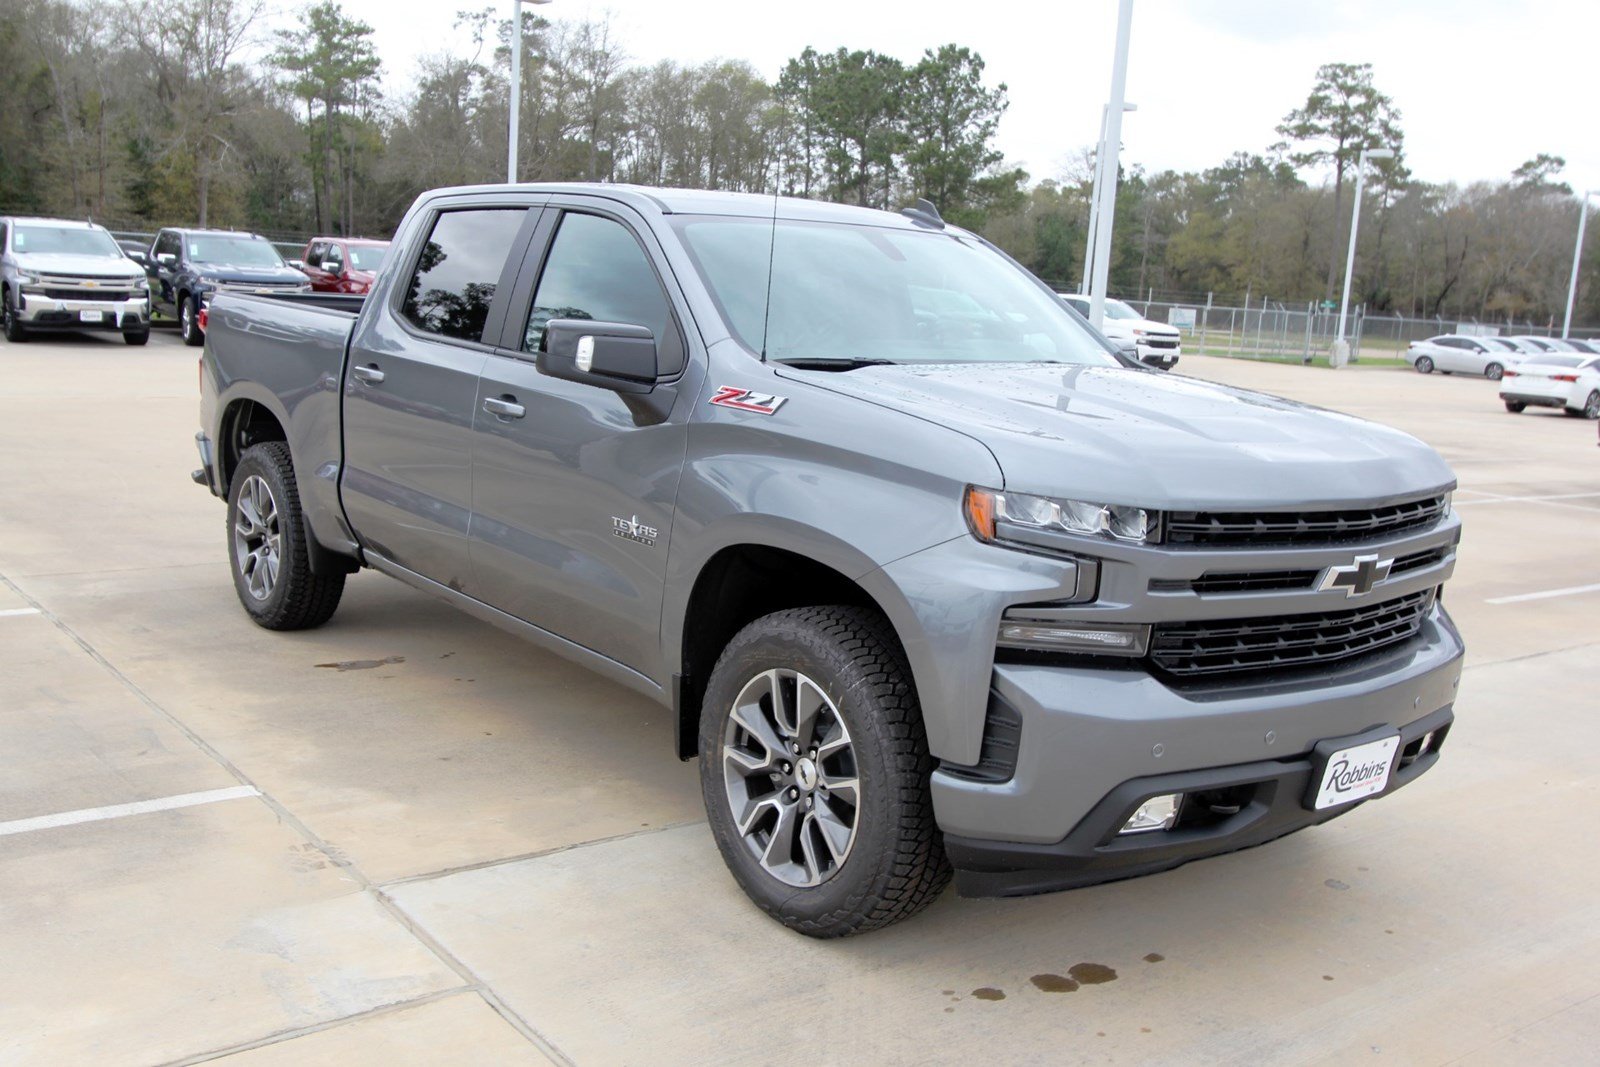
(834, 362)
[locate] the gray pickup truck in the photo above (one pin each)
(933, 579)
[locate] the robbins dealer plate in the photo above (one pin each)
(88, 316)
(1353, 773)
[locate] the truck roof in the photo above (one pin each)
(68, 224)
(198, 229)
(706, 202)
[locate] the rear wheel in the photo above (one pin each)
(815, 768)
(1515, 406)
(1424, 365)
(1494, 372)
(1590, 409)
(268, 545)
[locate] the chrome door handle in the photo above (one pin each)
(504, 407)
(369, 374)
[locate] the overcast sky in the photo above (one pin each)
(1482, 84)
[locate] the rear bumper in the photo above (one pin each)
(1092, 744)
(1535, 399)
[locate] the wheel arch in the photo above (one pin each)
(246, 420)
(740, 582)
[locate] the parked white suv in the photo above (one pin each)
(1452, 352)
(1158, 344)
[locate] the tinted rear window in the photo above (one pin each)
(454, 282)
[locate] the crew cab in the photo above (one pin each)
(340, 264)
(56, 274)
(930, 578)
(188, 267)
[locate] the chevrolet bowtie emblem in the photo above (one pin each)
(1359, 577)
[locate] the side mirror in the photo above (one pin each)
(139, 258)
(298, 264)
(166, 259)
(608, 355)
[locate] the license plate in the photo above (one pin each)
(90, 316)
(1356, 772)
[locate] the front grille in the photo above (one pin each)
(1223, 583)
(87, 294)
(56, 276)
(1161, 342)
(1209, 648)
(1263, 528)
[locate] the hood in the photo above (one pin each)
(1123, 436)
(224, 272)
(88, 266)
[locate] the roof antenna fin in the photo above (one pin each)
(924, 213)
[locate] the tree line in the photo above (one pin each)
(142, 113)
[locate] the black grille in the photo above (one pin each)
(88, 294)
(57, 276)
(1221, 583)
(1260, 528)
(1161, 342)
(1230, 646)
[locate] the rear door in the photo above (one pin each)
(411, 383)
(573, 493)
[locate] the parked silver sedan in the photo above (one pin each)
(1452, 352)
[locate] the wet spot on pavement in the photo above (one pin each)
(1153, 957)
(1054, 983)
(362, 664)
(1092, 973)
(988, 993)
(1334, 883)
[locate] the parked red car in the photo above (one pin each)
(343, 265)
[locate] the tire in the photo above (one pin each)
(1516, 407)
(15, 332)
(1424, 365)
(884, 859)
(1446, 373)
(1591, 406)
(1494, 372)
(141, 337)
(267, 545)
(189, 321)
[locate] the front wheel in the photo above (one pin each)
(1516, 407)
(137, 337)
(1494, 372)
(1424, 365)
(15, 332)
(189, 321)
(268, 545)
(815, 768)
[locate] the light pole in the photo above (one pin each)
(1341, 348)
(1577, 257)
(1108, 167)
(1094, 196)
(516, 84)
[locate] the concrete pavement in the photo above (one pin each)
(418, 840)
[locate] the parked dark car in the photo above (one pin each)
(188, 266)
(341, 264)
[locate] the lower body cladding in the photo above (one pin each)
(1118, 775)
(49, 313)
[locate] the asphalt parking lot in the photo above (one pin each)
(410, 838)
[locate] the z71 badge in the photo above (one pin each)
(731, 396)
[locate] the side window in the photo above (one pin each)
(166, 244)
(332, 259)
(456, 274)
(596, 270)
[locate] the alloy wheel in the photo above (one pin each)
(257, 539)
(789, 768)
(1591, 408)
(185, 320)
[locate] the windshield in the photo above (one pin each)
(63, 240)
(367, 257)
(843, 292)
(1116, 309)
(233, 251)
(1496, 343)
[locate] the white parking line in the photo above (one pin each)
(117, 811)
(1573, 590)
(1498, 499)
(9, 612)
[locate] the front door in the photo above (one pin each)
(411, 386)
(573, 493)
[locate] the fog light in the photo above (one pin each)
(1157, 813)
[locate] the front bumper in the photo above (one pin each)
(1157, 355)
(1090, 739)
(51, 313)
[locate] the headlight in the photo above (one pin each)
(206, 279)
(141, 283)
(27, 277)
(987, 510)
(1140, 333)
